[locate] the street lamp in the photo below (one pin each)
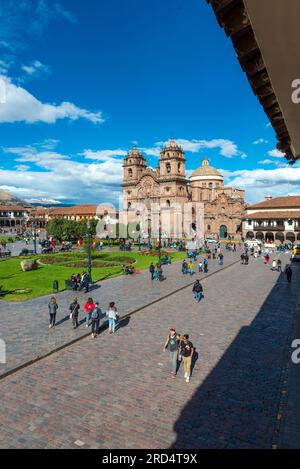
(34, 236)
(159, 244)
(88, 225)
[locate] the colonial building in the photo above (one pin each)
(274, 219)
(14, 216)
(168, 186)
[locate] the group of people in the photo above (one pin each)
(188, 267)
(93, 315)
(156, 272)
(80, 281)
(180, 349)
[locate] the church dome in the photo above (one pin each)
(205, 172)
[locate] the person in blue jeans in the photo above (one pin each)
(112, 315)
(198, 291)
(172, 344)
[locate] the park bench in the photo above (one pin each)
(69, 284)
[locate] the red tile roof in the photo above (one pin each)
(75, 210)
(283, 215)
(290, 201)
(14, 208)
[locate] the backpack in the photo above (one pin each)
(95, 313)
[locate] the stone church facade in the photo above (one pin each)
(168, 185)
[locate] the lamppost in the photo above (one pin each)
(88, 225)
(34, 236)
(159, 243)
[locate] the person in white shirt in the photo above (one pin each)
(112, 315)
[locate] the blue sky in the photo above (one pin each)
(85, 79)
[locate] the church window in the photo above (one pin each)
(130, 172)
(210, 185)
(168, 203)
(168, 167)
(179, 167)
(129, 205)
(208, 227)
(167, 189)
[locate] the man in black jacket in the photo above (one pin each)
(198, 290)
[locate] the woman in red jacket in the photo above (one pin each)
(88, 307)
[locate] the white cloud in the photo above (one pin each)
(4, 66)
(20, 105)
(58, 178)
(258, 183)
(36, 68)
(260, 141)
(103, 155)
(276, 153)
(227, 148)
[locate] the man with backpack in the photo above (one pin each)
(74, 312)
(95, 317)
(197, 290)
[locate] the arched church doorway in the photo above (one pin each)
(223, 231)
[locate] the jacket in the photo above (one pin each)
(52, 308)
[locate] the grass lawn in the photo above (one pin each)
(39, 282)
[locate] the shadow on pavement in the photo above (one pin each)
(237, 404)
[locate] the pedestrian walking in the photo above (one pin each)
(172, 344)
(186, 350)
(279, 265)
(88, 307)
(274, 265)
(205, 265)
(288, 272)
(74, 312)
(200, 266)
(152, 270)
(52, 307)
(95, 317)
(197, 290)
(112, 315)
(221, 258)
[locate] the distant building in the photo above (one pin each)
(274, 219)
(14, 216)
(168, 186)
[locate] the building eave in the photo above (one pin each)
(233, 17)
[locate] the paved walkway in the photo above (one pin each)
(116, 391)
(24, 326)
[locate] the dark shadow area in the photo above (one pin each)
(237, 404)
(123, 323)
(61, 321)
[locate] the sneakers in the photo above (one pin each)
(86, 325)
(185, 375)
(173, 375)
(187, 379)
(50, 325)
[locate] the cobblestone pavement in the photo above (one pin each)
(116, 391)
(24, 326)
